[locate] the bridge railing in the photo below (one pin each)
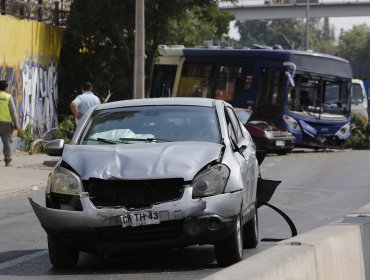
(34, 11)
(278, 2)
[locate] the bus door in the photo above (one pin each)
(163, 80)
(271, 98)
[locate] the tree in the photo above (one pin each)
(99, 40)
(354, 45)
(289, 33)
(252, 32)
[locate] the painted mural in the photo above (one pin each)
(29, 56)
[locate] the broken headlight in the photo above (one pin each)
(344, 131)
(211, 182)
(292, 123)
(63, 181)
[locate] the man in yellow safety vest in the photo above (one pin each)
(8, 121)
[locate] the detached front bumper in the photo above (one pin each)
(184, 222)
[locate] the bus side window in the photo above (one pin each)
(194, 80)
(225, 84)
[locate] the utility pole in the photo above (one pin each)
(139, 71)
(307, 23)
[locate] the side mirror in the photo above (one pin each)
(242, 149)
(291, 67)
(55, 148)
(260, 154)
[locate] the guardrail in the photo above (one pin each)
(339, 250)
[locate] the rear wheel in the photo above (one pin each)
(61, 254)
(230, 250)
(250, 232)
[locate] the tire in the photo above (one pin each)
(230, 250)
(62, 255)
(250, 232)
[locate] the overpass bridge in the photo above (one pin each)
(243, 10)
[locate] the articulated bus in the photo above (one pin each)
(304, 92)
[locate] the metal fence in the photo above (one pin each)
(39, 11)
(291, 2)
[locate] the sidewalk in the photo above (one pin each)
(28, 172)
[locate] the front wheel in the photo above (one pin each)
(250, 232)
(230, 250)
(62, 255)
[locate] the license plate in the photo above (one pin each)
(141, 218)
(280, 143)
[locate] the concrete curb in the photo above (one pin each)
(339, 250)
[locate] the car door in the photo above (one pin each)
(245, 154)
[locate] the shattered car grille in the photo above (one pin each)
(133, 194)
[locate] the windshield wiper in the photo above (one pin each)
(149, 140)
(103, 140)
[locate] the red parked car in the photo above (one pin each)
(266, 136)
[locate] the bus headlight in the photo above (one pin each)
(344, 131)
(63, 181)
(292, 123)
(211, 182)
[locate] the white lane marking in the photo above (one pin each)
(22, 259)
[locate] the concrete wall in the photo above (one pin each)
(339, 250)
(29, 53)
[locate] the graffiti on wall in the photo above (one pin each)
(35, 92)
(29, 52)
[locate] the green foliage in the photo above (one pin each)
(65, 129)
(360, 135)
(27, 135)
(253, 32)
(354, 45)
(288, 33)
(99, 41)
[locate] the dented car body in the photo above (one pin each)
(150, 173)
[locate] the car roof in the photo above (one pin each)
(188, 101)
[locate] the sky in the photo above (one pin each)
(339, 23)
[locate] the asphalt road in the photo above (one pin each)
(317, 188)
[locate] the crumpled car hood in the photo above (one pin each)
(141, 161)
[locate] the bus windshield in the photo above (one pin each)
(319, 98)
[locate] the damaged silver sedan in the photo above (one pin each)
(152, 173)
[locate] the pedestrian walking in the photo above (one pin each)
(8, 121)
(83, 102)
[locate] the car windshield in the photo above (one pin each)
(151, 124)
(357, 95)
